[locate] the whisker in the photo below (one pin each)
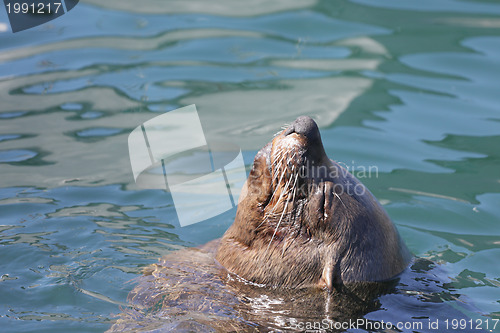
(338, 196)
(281, 194)
(275, 206)
(277, 226)
(284, 209)
(293, 202)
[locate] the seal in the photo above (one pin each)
(307, 227)
(305, 221)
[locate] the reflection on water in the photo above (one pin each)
(247, 82)
(409, 88)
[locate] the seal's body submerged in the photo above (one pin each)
(304, 221)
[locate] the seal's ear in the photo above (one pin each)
(330, 276)
(326, 280)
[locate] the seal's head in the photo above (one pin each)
(303, 220)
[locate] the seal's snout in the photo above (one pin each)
(304, 126)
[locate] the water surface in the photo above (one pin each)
(411, 88)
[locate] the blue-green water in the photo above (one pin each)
(412, 88)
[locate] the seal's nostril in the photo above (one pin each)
(289, 130)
